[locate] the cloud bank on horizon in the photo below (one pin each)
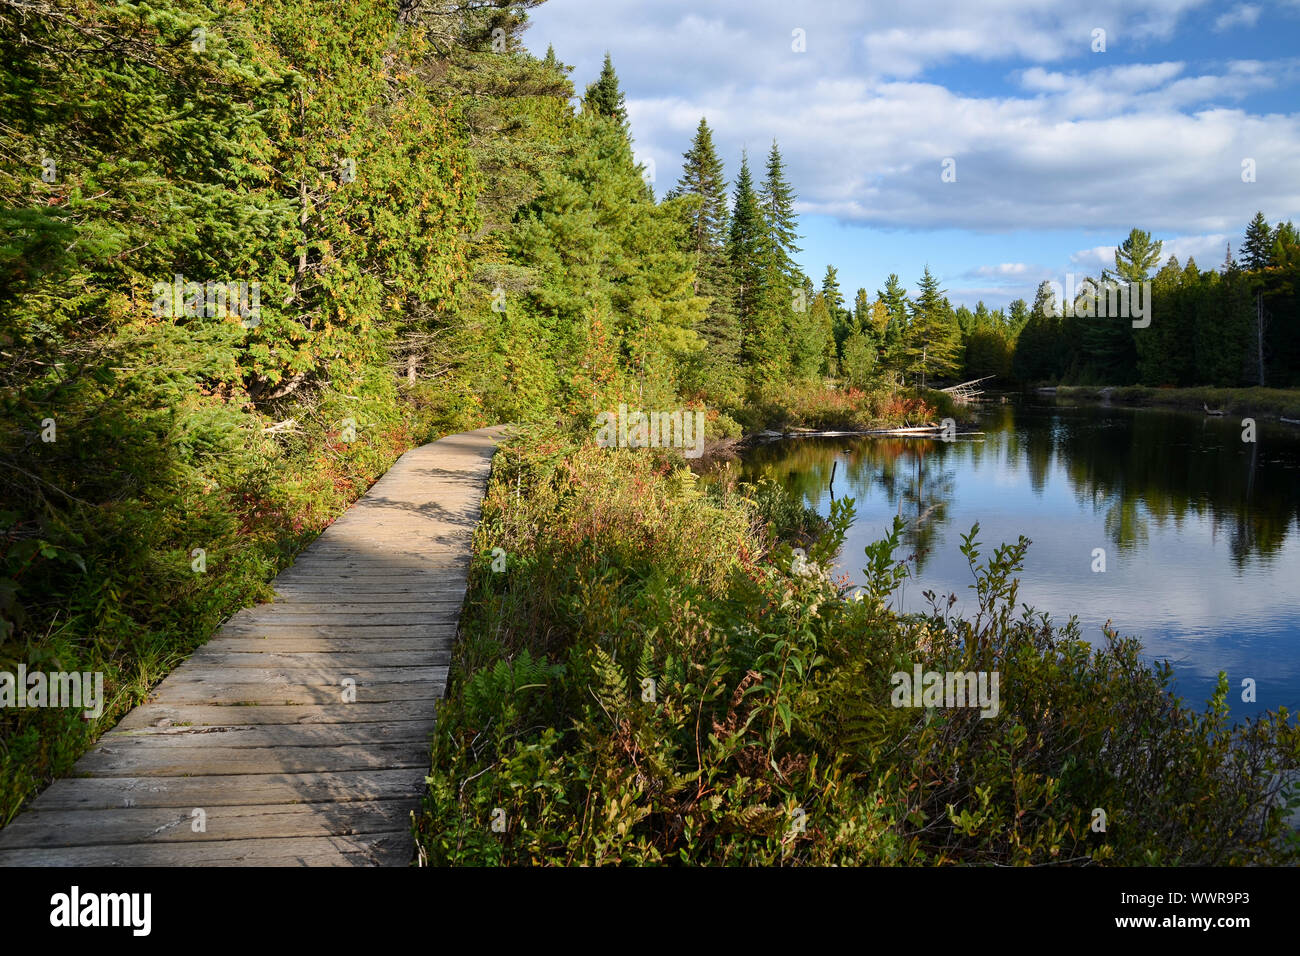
(1064, 123)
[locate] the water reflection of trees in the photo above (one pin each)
(1159, 466)
(909, 472)
(1135, 468)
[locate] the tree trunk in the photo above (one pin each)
(1259, 334)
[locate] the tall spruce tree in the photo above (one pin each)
(776, 199)
(604, 97)
(831, 289)
(1257, 250)
(932, 346)
(790, 340)
(703, 190)
(746, 252)
(841, 318)
(898, 307)
(703, 177)
(1108, 349)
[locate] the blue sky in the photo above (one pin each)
(1058, 149)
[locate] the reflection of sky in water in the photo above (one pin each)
(1175, 583)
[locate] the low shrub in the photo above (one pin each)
(657, 677)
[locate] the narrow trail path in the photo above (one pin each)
(298, 735)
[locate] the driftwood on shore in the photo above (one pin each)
(967, 391)
(917, 430)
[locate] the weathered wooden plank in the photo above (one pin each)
(349, 582)
(336, 617)
(393, 848)
(96, 793)
(368, 571)
(235, 734)
(338, 662)
(336, 632)
(242, 694)
(197, 672)
(357, 644)
(381, 559)
(198, 715)
(360, 599)
(150, 825)
(114, 760)
(243, 790)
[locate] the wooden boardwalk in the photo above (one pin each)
(250, 752)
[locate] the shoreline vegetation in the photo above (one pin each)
(658, 676)
(1281, 404)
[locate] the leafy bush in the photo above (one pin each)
(715, 698)
(816, 406)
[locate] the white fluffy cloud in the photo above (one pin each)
(1207, 250)
(1243, 15)
(1097, 144)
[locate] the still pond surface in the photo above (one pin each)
(1201, 530)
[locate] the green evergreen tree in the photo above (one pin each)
(841, 318)
(1038, 350)
(604, 97)
(1017, 316)
(1136, 256)
(860, 357)
(932, 346)
(702, 189)
(898, 307)
(1109, 352)
(776, 199)
(1285, 251)
(831, 290)
(746, 252)
(1257, 250)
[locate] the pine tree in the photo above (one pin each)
(895, 332)
(783, 311)
(1257, 250)
(1136, 256)
(860, 359)
(1285, 254)
(703, 190)
(814, 352)
(1038, 348)
(776, 199)
(861, 311)
(1109, 353)
(702, 177)
(840, 317)
(604, 98)
(864, 319)
(933, 343)
(831, 290)
(745, 253)
(1017, 315)
(965, 321)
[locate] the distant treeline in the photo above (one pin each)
(1235, 326)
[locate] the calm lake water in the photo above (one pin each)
(1201, 530)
